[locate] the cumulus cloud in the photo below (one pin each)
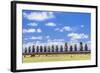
(32, 30)
(39, 30)
(82, 26)
(59, 40)
(61, 30)
(32, 24)
(47, 36)
(33, 38)
(65, 28)
(77, 36)
(57, 29)
(50, 24)
(56, 40)
(29, 30)
(36, 38)
(38, 16)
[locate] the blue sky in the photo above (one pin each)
(45, 26)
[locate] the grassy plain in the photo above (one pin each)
(55, 57)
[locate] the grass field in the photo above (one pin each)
(57, 57)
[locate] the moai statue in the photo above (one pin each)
(37, 49)
(41, 49)
(56, 48)
(52, 48)
(33, 49)
(86, 47)
(29, 49)
(81, 46)
(75, 47)
(45, 49)
(61, 48)
(66, 47)
(71, 48)
(48, 48)
(25, 50)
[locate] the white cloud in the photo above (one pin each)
(50, 24)
(77, 36)
(56, 40)
(32, 30)
(33, 38)
(57, 29)
(65, 28)
(82, 26)
(28, 30)
(36, 38)
(47, 36)
(59, 40)
(39, 30)
(61, 30)
(39, 16)
(33, 24)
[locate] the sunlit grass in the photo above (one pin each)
(56, 57)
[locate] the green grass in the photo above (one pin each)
(57, 57)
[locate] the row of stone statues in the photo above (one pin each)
(56, 48)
